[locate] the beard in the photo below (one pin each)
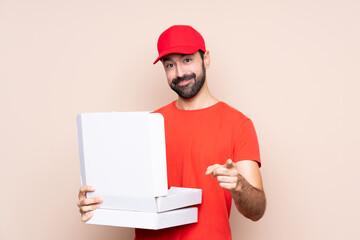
(190, 90)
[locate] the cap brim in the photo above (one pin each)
(177, 49)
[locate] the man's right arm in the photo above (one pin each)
(87, 205)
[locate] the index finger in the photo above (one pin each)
(211, 169)
(84, 190)
(221, 171)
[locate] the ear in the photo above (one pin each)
(207, 59)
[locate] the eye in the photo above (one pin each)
(187, 60)
(169, 65)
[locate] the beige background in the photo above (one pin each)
(291, 66)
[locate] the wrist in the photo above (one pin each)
(239, 189)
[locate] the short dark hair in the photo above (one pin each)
(201, 54)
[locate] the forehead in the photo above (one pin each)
(175, 56)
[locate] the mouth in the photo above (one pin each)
(184, 83)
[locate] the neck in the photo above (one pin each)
(203, 99)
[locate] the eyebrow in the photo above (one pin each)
(164, 59)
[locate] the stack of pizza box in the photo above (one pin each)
(122, 154)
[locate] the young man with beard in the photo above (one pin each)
(209, 145)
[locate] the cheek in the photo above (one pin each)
(170, 77)
(194, 69)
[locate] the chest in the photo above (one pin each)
(197, 143)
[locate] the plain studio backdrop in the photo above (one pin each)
(291, 66)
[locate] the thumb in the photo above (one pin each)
(229, 164)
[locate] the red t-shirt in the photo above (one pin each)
(196, 139)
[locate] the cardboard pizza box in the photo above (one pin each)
(123, 155)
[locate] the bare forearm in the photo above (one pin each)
(249, 201)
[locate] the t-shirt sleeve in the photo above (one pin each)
(246, 146)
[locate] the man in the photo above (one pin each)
(204, 137)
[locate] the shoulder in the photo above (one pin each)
(232, 113)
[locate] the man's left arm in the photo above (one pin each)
(243, 180)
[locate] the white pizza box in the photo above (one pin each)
(122, 154)
(146, 220)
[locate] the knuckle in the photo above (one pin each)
(84, 202)
(83, 209)
(88, 201)
(91, 208)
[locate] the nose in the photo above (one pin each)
(180, 71)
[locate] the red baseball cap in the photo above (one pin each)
(179, 39)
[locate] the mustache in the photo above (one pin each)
(183, 78)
